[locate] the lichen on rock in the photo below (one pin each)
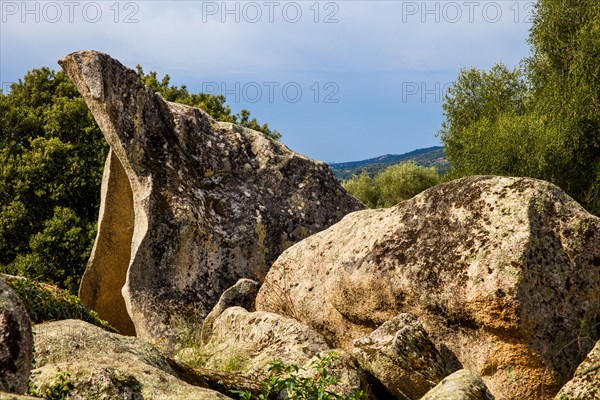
(400, 356)
(503, 273)
(250, 342)
(189, 205)
(585, 383)
(93, 363)
(461, 385)
(242, 294)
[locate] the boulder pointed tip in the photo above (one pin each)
(85, 68)
(83, 54)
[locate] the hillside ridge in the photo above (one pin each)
(428, 157)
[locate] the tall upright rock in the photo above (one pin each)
(189, 205)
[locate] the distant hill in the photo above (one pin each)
(428, 157)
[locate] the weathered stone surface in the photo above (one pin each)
(212, 203)
(401, 357)
(503, 273)
(461, 385)
(343, 366)
(585, 383)
(101, 364)
(221, 381)
(16, 341)
(249, 341)
(242, 294)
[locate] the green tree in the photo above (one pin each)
(51, 159)
(212, 104)
(403, 181)
(478, 94)
(243, 118)
(565, 74)
(541, 120)
(476, 103)
(363, 188)
(392, 185)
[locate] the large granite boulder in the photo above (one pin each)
(189, 205)
(503, 273)
(12, 396)
(86, 362)
(585, 383)
(250, 341)
(16, 341)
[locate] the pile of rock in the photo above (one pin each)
(232, 249)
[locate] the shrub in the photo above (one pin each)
(58, 389)
(45, 302)
(363, 188)
(393, 185)
(403, 181)
(288, 379)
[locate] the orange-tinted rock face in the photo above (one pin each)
(503, 273)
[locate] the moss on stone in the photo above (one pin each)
(45, 302)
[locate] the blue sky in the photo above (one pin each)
(343, 80)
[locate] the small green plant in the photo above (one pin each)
(58, 389)
(45, 302)
(233, 363)
(512, 375)
(290, 381)
(188, 330)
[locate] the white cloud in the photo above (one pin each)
(372, 48)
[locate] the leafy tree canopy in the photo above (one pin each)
(541, 120)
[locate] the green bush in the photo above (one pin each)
(541, 120)
(57, 389)
(46, 302)
(288, 380)
(363, 188)
(403, 181)
(392, 185)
